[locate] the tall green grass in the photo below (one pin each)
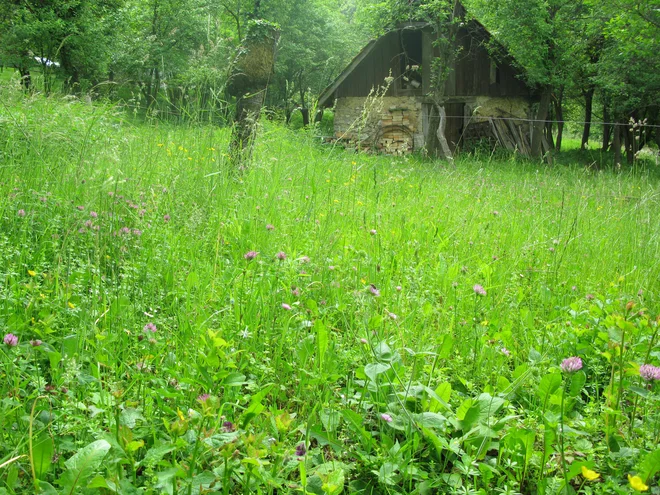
(108, 225)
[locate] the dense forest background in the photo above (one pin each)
(590, 60)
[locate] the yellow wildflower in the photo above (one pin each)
(637, 484)
(589, 474)
(71, 305)
(32, 273)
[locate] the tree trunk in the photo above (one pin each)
(616, 144)
(588, 107)
(26, 78)
(305, 116)
(539, 122)
(248, 82)
(559, 116)
(607, 128)
(548, 133)
(445, 152)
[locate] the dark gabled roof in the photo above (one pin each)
(330, 90)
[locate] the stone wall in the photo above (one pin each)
(394, 125)
(390, 124)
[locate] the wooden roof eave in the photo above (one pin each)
(325, 100)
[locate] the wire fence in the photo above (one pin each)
(636, 124)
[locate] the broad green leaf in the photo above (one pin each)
(549, 384)
(82, 465)
(155, 454)
(430, 420)
(129, 417)
(489, 405)
(46, 488)
(255, 408)
(330, 419)
(42, 454)
(333, 482)
(372, 370)
(321, 341)
(234, 379)
(577, 382)
(444, 350)
(383, 352)
(649, 466)
(468, 413)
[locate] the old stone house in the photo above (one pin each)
(381, 98)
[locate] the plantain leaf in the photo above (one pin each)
(649, 466)
(82, 465)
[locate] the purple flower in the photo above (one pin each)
(89, 224)
(281, 256)
(295, 291)
(21, 213)
(374, 290)
(137, 232)
(479, 290)
(301, 450)
(505, 351)
(166, 218)
(250, 255)
(228, 427)
(398, 288)
(363, 341)
(93, 214)
(571, 364)
(203, 398)
(125, 230)
(36, 343)
(286, 306)
(80, 207)
(150, 327)
(270, 227)
(11, 340)
(649, 372)
(386, 417)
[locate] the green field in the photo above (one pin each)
(409, 340)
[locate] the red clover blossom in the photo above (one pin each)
(571, 364)
(649, 372)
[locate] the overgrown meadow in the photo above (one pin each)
(323, 322)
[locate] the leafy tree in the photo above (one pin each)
(74, 34)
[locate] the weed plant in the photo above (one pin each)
(322, 322)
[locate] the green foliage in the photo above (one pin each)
(170, 362)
